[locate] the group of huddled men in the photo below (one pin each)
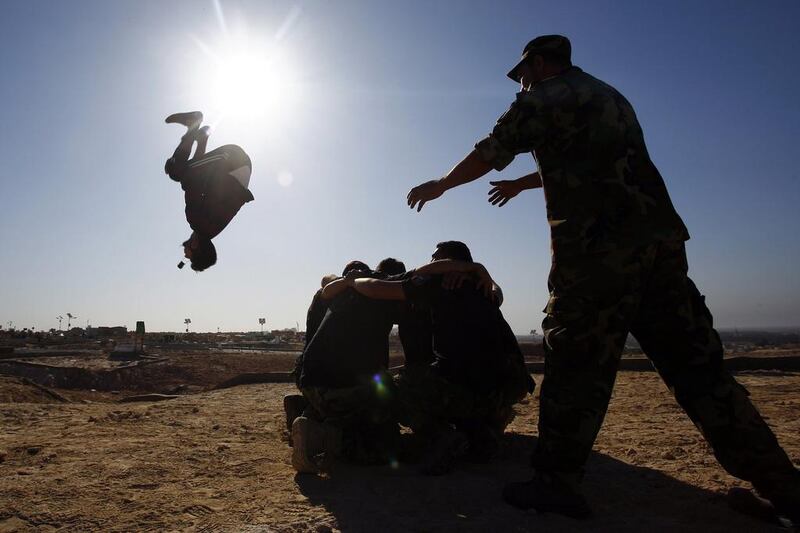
(462, 374)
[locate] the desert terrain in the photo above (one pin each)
(212, 459)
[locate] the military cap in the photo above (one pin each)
(554, 45)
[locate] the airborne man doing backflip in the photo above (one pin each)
(215, 183)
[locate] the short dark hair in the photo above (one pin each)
(391, 267)
(355, 265)
(204, 256)
(453, 250)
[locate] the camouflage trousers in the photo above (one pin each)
(426, 401)
(595, 301)
(365, 414)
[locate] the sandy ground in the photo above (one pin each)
(218, 461)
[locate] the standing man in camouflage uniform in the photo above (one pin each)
(619, 266)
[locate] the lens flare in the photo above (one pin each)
(381, 390)
(285, 178)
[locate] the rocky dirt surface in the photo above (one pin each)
(218, 461)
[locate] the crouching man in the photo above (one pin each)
(461, 401)
(342, 374)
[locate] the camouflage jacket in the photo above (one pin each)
(601, 188)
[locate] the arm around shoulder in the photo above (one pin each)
(379, 289)
(334, 288)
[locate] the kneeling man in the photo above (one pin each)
(461, 400)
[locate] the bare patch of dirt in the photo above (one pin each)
(219, 461)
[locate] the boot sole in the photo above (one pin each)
(746, 502)
(300, 461)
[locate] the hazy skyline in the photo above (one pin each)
(360, 101)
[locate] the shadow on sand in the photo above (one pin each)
(624, 498)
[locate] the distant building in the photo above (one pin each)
(107, 331)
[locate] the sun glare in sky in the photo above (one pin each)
(247, 73)
(252, 82)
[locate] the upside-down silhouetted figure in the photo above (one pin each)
(215, 185)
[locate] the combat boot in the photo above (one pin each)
(783, 492)
(747, 502)
(314, 445)
(484, 441)
(293, 405)
(546, 493)
(449, 446)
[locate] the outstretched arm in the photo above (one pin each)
(379, 289)
(393, 290)
(339, 285)
(504, 190)
(333, 288)
(469, 169)
(443, 266)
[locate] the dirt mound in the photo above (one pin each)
(15, 390)
(191, 372)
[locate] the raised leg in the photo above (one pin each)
(201, 137)
(675, 329)
(176, 165)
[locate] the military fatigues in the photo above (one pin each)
(364, 412)
(476, 372)
(619, 266)
(342, 374)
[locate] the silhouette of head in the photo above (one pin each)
(355, 265)
(390, 267)
(200, 251)
(543, 57)
(328, 278)
(456, 250)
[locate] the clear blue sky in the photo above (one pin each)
(383, 95)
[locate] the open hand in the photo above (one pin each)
(503, 191)
(430, 190)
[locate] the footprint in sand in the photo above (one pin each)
(198, 510)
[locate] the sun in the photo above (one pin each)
(249, 82)
(246, 76)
